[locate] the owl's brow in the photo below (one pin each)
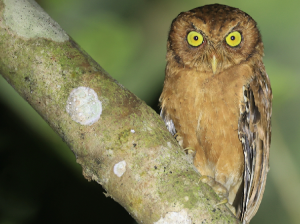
(237, 25)
(193, 25)
(233, 28)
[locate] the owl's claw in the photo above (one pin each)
(189, 150)
(224, 201)
(220, 190)
(215, 185)
(179, 139)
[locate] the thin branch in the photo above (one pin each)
(120, 142)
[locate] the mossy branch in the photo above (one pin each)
(125, 147)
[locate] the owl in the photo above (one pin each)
(217, 101)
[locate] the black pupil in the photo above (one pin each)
(232, 37)
(196, 38)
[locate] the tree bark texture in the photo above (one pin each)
(119, 141)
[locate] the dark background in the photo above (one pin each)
(40, 181)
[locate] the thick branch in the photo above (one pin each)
(120, 142)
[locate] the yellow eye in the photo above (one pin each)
(194, 39)
(234, 39)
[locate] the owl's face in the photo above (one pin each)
(213, 38)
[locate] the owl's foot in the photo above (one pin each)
(189, 150)
(220, 190)
(179, 139)
(224, 201)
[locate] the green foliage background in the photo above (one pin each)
(39, 179)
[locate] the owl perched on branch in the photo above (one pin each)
(217, 101)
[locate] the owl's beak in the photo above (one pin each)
(214, 63)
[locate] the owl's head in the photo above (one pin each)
(213, 38)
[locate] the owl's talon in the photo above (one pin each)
(215, 185)
(189, 150)
(203, 179)
(179, 139)
(229, 206)
(224, 201)
(220, 190)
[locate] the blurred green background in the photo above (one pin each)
(39, 179)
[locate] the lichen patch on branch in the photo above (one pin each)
(83, 106)
(120, 168)
(29, 20)
(175, 218)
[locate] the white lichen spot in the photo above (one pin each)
(169, 144)
(175, 218)
(120, 168)
(83, 106)
(186, 198)
(132, 131)
(58, 86)
(29, 20)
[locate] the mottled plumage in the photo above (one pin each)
(218, 99)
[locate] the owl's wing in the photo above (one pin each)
(169, 123)
(255, 135)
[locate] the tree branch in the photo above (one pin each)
(120, 142)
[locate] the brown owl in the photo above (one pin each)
(217, 98)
